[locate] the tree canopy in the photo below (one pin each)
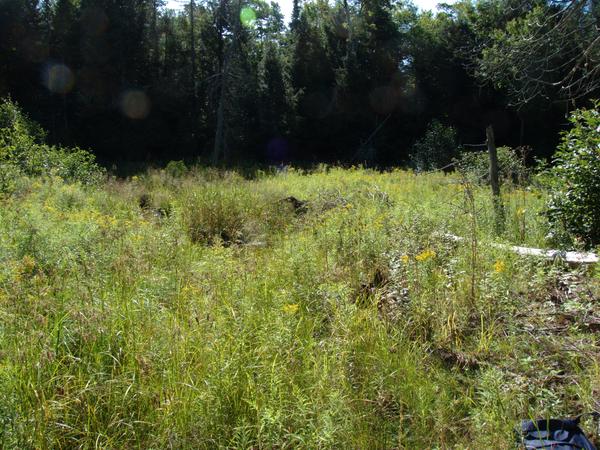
(228, 81)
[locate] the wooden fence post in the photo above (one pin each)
(494, 179)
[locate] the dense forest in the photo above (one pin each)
(223, 228)
(351, 81)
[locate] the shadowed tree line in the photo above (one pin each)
(350, 81)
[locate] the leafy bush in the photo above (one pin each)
(22, 152)
(9, 174)
(574, 203)
(12, 118)
(435, 149)
(73, 164)
(176, 169)
(476, 165)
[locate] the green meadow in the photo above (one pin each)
(198, 308)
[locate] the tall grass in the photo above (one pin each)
(217, 316)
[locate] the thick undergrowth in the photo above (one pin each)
(291, 310)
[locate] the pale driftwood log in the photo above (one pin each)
(571, 258)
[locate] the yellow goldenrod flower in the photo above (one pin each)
(404, 259)
(291, 308)
(425, 255)
(499, 266)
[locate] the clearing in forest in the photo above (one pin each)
(284, 310)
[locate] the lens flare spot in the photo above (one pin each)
(59, 79)
(247, 16)
(135, 104)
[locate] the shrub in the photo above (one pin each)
(73, 164)
(435, 149)
(211, 214)
(22, 152)
(12, 118)
(575, 181)
(9, 174)
(476, 165)
(176, 169)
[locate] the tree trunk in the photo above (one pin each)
(220, 128)
(220, 153)
(193, 65)
(220, 144)
(154, 28)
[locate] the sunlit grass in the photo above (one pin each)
(212, 314)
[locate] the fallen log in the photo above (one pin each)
(571, 258)
(574, 258)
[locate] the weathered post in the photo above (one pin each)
(494, 179)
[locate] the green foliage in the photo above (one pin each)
(176, 169)
(547, 51)
(231, 214)
(9, 175)
(574, 204)
(22, 152)
(352, 323)
(435, 149)
(12, 118)
(511, 167)
(346, 82)
(211, 214)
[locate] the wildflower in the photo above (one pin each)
(521, 211)
(425, 255)
(404, 259)
(499, 266)
(291, 308)
(135, 178)
(378, 222)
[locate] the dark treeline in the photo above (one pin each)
(348, 81)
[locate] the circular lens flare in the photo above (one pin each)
(135, 104)
(247, 16)
(59, 79)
